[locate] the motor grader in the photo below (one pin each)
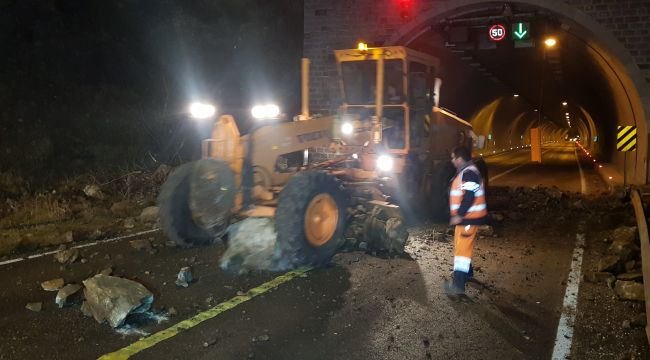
(389, 144)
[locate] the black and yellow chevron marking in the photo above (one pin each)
(626, 138)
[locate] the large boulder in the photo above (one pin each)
(111, 299)
(629, 290)
(251, 244)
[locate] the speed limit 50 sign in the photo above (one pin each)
(497, 32)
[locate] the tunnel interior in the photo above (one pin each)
(577, 89)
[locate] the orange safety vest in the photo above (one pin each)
(479, 208)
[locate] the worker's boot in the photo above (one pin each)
(457, 286)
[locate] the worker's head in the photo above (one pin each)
(460, 155)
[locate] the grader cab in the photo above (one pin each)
(386, 143)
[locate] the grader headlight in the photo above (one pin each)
(347, 128)
(199, 110)
(385, 163)
(268, 111)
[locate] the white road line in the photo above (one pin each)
(564, 337)
(492, 178)
(34, 256)
(583, 182)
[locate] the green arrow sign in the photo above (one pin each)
(521, 31)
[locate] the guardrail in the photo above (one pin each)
(642, 227)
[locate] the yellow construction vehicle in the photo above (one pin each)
(390, 142)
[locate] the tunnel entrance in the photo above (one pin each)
(583, 88)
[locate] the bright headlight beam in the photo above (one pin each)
(385, 163)
(347, 128)
(199, 110)
(268, 111)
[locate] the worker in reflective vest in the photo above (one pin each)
(468, 210)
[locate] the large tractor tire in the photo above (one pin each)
(310, 218)
(195, 202)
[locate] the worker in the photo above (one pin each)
(468, 211)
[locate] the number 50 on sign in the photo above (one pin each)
(497, 32)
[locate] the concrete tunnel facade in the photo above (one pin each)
(608, 45)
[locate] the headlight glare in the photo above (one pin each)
(199, 110)
(385, 163)
(268, 111)
(347, 128)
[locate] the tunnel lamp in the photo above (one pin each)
(550, 42)
(600, 166)
(516, 95)
(200, 110)
(611, 177)
(564, 103)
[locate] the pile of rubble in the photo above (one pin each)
(620, 268)
(107, 298)
(376, 227)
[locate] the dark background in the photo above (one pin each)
(90, 84)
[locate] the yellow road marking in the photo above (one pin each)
(174, 330)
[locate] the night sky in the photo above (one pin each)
(86, 84)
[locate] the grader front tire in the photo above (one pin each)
(310, 218)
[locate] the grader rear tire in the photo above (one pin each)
(187, 197)
(310, 218)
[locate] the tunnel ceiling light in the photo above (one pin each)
(550, 42)
(516, 95)
(564, 103)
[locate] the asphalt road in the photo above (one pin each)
(360, 307)
(559, 168)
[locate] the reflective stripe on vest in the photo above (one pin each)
(458, 188)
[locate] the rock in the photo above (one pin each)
(486, 230)
(599, 277)
(629, 290)
(53, 285)
(149, 214)
(625, 250)
(35, 306)
(577, 205)
(609, 264)
(263, 338)
(111, 299)
(251, 246)
(141, 244)
(65, 293)
(68, 237)
(123, 208)
(129, 223)
(85, 309)
(84, 261)
(363, 245)
(630, 265)
(624, 234)
(93, 191)
(107, 272)
(67, 256)
(626, 324)
(630, 276)
(172, 311)
(184, 277)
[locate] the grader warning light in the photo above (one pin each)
(362, 46)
